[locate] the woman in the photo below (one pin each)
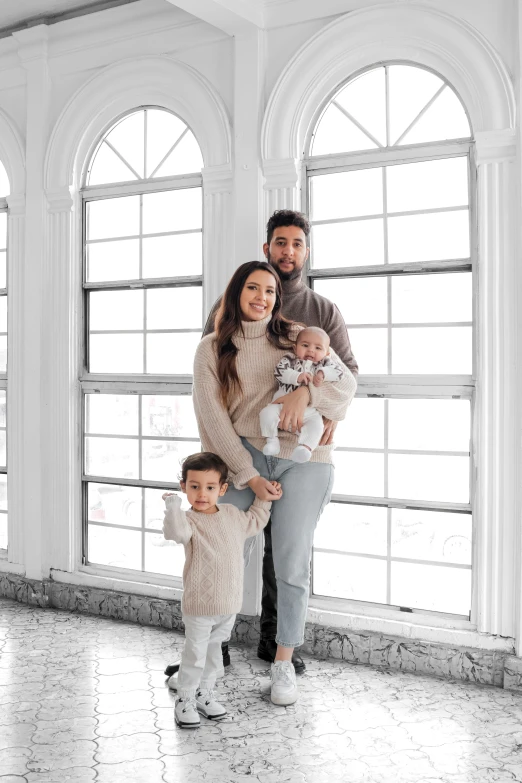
(233, 381)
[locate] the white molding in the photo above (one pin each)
(282, 186)
(8, 567)
(234, 17)
(218, 260)
(91, 577)
(12, 153)
(403, 31)
(160, 81)
(495, 146)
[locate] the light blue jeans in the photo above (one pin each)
(307, 488)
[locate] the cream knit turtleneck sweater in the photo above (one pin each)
(221, 429)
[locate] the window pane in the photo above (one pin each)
(3, 453)
(116, 310)
(432, 298)
(111, 414)
(114, 505)
(111, 457)
(172, 256)
(427, 185)
(168, 416)
(3, 314)
(128, 139)
(421, 477)
(162, 458)
(438, 425)
(365, 99)
(163, 557)
(116, 353)
(185, 158)
(431, 535)
(434, 588)
(3, 492)
(343, 576)
(154, 509)
(172, 354)
(3, 229)
(348, 194)
(410, 89)
(5, 188)
(433, 237)
(370, 346)
(108, 167)
(113, 217)
(172, 210)
(163, 130)
(435, 350)
(361, 300)
(358, 473)
(3, 354)
(113, 260)
(357, 243)
(3, 531)
(114, 547)
(3, 269)
(336, 133)
(363, 426)
(3, 404)
(445, 119)
(175, 308)
(350, 528)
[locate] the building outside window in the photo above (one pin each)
(390, 188)
(143, 311)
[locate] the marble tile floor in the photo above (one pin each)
(84, 698)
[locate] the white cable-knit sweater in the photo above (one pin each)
(221, 428)
(214, 544)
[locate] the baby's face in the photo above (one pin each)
(311, 346)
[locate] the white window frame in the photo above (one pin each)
(3, 375)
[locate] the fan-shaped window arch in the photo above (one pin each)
(389, 183)
(143, 313)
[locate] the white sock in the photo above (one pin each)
(301, 454)
(271, 447)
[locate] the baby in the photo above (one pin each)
(309, 364)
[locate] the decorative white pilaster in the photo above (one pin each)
(282, 186)
(32, 50)
(496, 405)
(218, 254)
(61, 292)
(17, 489)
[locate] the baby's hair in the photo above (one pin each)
(204, 460)
(315, 330)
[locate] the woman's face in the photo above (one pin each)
(258, 296)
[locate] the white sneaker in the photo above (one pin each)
(186, 714)
(284, 688)
(272, 447)
(208, 706)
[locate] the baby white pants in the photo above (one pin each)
(311, 431)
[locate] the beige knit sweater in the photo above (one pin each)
(214, 544)
(221, 429)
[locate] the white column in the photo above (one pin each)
(282, 186)
(32, 50)
(218, 244)
(248, 236)
(496, 436)
(60, 452)
(17, 488)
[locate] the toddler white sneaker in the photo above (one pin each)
(172, 682)
(284, 688)
(272, 447)
(208, 706)
(186, 714)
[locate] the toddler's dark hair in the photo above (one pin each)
(204, 460)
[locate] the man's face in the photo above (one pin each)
(287, 251)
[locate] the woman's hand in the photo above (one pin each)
(305, 378)
(294, 405)
(328, 432)
(264, 489)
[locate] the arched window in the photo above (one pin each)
(143, 320)
(4, 191)
(389, 184)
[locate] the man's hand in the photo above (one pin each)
(318, 378)
(294, 405)
(305, 378)
(328, 432)
(264, 489)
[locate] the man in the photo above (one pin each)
(286, 248)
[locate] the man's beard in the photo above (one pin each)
(293, 275)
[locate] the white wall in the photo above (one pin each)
(44, 70)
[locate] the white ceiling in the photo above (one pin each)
(17, 14)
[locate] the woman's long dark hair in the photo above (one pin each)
(228, 322)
